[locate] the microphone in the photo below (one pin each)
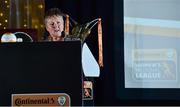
(63, 34)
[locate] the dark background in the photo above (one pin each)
(111, 12)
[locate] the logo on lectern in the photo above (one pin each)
(41, 99)
(61, 100)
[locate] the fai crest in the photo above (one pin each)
(61, 100)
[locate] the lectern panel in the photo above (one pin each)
(42, 67)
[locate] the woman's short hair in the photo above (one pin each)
(53, 12)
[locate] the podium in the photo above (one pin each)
(41, 67)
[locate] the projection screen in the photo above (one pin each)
(152, 43)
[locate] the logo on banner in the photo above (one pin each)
(88, 90)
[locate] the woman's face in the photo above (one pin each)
(55, 25)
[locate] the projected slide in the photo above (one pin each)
(152, 44)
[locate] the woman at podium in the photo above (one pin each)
(54, 24)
